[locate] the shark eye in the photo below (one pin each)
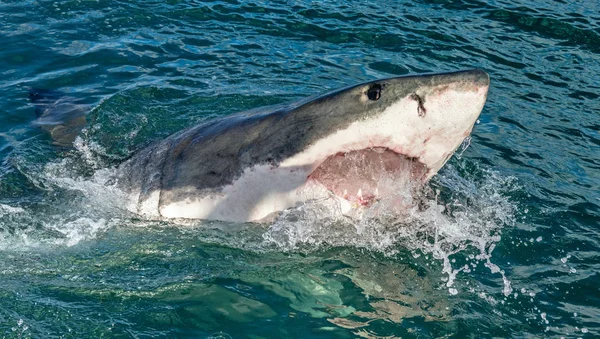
(374, 92)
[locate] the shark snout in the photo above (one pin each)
(480, 80)
(470, 80)
(475, 76)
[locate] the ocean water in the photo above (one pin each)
(507, 245)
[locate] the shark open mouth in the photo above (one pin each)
(364, 176)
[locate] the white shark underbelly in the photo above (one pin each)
(255, 195)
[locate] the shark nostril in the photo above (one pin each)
(374, 92)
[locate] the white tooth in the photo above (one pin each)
(359, 194)
(377, 192)
(345, 193)
(345, 206)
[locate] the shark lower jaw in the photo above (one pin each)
(364, 176)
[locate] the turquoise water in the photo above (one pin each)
(508, 246)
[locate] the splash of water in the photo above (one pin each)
(465, 224)
(24, 228)
(456, 219)
(72, 205)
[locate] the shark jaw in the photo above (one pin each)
(347, 145)
(363, 177)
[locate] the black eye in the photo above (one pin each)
(374, 92)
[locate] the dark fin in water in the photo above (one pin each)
(60, 115)
(42, 98)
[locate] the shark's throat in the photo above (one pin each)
(363, 176)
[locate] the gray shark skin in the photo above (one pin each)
(249, 165)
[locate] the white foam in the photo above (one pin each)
(5, 209)
(471, 222)
(78, 207)
(80, 229)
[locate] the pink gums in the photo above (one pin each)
(363, 176)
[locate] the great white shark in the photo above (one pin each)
(251, 165)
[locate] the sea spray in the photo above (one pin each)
(466, 223)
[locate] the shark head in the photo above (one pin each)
(397, 127)
(424, 118)
(249, 165)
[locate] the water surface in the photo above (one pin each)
(509, 246)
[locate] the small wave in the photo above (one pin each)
(5, 209)
(72, 205)
(22, 229)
